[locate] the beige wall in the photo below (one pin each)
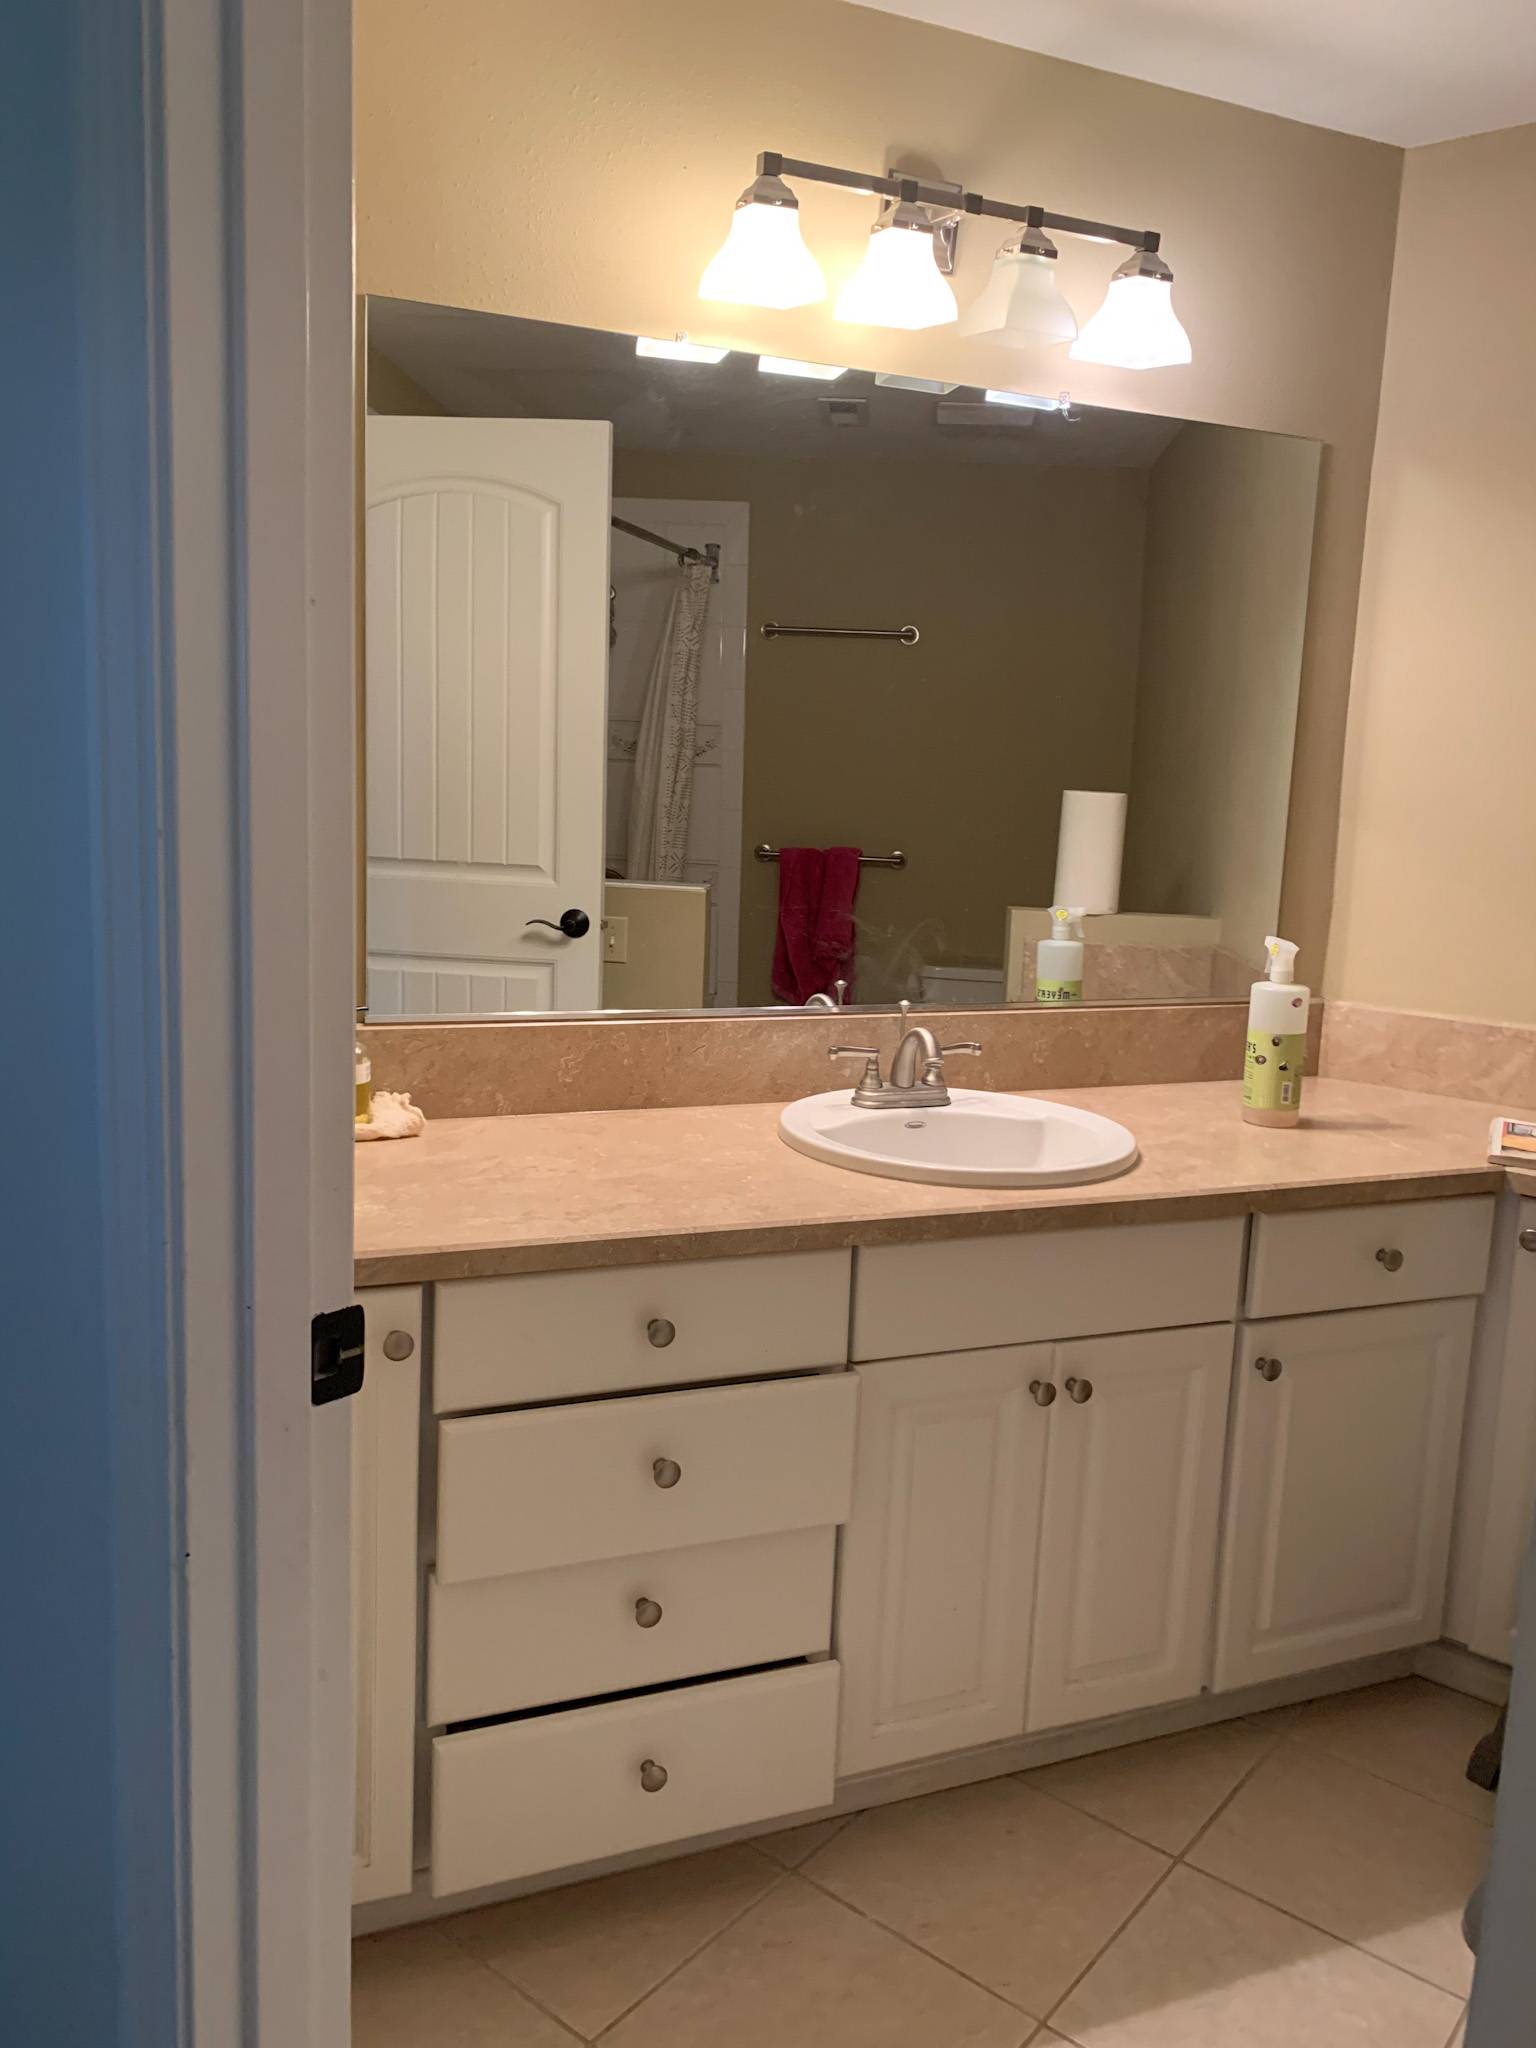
(1025, 584)
(579, 164)
(1229, 542)
(1437, 848)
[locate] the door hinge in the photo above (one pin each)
(336, 1354)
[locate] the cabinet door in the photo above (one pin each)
(1345, 1437)
(1128, 1538)
(938, 1559)
(385, 1425)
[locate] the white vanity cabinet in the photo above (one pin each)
(937, 1580)
(385, 1572)
(1033, 1539)
(1129, 1523)
(1346, 1429)
(630, 1596)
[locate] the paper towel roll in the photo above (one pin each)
(1089, 848)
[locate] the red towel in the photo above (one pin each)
(815, 940)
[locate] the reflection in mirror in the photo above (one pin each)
(696, 680)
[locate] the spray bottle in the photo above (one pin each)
(1277, 1040)
(1059, 959)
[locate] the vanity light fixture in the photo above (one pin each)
(679, 350)
(935, 386)
(1022, 303)
(790, 366)
(763, 260)
(1136, 328)
(1032, 401)
(900, 284)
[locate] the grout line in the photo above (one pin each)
(1354, 1763)
(1103, 1950)
(906, 1941)
(481, 1962)
(780, 1877)
(1174, 1864)
(1461, 2020)
(1221, 1806)
(1328, 1934)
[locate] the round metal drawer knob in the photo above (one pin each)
(1268, 1368)
(1080, 1391)
(1390, 1257)
(1528, 1240)
(666, 1471)
(1043, 1393)
(647, 1613)
(653, 1776)
(660, 1332)
(399, 1344)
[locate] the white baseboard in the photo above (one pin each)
(1463, 1671)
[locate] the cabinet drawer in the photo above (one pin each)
(909, 1299)
(559, 1789)
(498, 1644)
(1377, 1254)
(547, 1336)
(553, 1486)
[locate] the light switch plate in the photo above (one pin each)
(616, 940)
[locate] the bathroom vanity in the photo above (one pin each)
(813, 1491)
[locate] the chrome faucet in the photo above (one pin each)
(917, 1072)
(835, 1001)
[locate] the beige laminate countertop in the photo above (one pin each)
(526, 1194)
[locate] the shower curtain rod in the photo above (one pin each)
(710, 554)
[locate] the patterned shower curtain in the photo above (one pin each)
(663, 794)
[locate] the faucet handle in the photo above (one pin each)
(963, 1045)
(870, 1083)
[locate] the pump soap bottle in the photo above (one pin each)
(1277, 1041)
(1059, 959)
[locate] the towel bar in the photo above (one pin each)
(866, 860)
(907, 635)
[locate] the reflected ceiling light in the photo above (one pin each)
(679, 350)
(1136, 328)
(1032, 401)
(899, 283)
(790, 366)
(932, 385)
(1022, 304)
(763, 261)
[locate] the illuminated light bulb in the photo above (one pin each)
(899, 283)
(791, 366)
(679, 350)
(1136, 328)
(763, 260)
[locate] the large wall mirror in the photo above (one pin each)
(703, 680)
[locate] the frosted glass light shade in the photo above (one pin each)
(763, 260)
(1022, 304)
(898, 284)
(1136, 328)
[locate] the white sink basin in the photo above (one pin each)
(981, 1140)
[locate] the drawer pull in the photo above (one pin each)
(1268, 1368)
(660, 1332)
(666, 1471)
(1043, 1393)
(653, 1776)
(1080, 1391)
(1390, 1257)
(647, 1613)
(1528, 1240)
(399, 1344)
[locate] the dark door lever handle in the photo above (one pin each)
(575, 924)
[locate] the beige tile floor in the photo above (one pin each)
(1293, 1878)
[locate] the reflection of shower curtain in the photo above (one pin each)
(663, 793)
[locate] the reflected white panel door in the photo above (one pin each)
(487, 678)
(1128, 1542)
